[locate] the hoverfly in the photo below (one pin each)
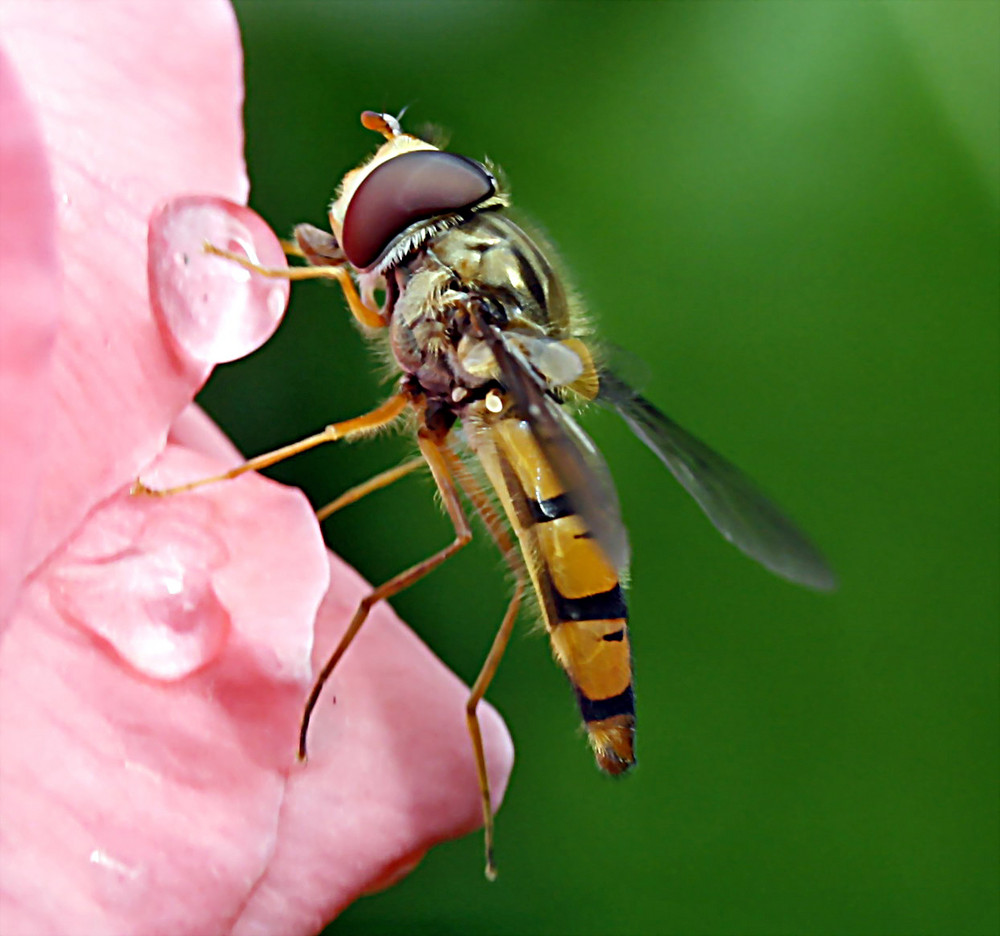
(493, 351)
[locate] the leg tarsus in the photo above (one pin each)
(476, 694)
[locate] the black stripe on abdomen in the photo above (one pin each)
(604, 606)
(552, 508)
(594, 710)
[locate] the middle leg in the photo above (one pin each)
(432, 451)
(512, 554)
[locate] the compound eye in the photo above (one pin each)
(406, 189)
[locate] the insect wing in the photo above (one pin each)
(569, 451)
(734, 504)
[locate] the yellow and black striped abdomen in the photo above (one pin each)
(579, 590)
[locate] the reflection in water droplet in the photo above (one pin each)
(117, 883)
(102, 859)
(140, 577)
(213, 309)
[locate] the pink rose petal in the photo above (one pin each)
(390, 772)
(194, 429)
(390, 769)
(160, 798)
(29, 312)
(152, 677)
(160, 116)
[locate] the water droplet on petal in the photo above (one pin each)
(214, 309)
(140, 578)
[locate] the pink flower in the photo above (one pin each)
(157, 652)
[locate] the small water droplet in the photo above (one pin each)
(140, 577)
(214, 309)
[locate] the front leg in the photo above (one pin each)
(367, 316)
(360, 425)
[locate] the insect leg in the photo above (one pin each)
(477, 692)
(290, 248)
(381, 480)
(500, 536)
(288, 273)
(369, 317)
(432, 453)
(378, 417)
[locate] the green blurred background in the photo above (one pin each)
(790, 211)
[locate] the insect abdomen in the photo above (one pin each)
(580, 593)
(589, 635)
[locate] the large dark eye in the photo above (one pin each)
(405, 189)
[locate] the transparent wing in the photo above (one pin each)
(568, 450)
(737, 507)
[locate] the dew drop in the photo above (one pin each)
(212, 308)
(140, 578)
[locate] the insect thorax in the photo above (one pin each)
(483, 271)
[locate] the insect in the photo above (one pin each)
(493, 351)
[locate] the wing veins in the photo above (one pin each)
(734, 504)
